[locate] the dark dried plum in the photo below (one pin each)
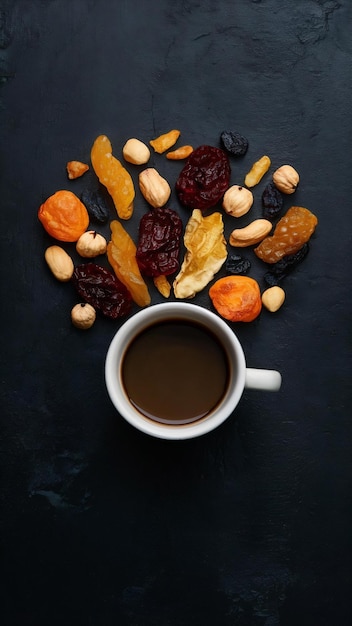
(236, 264)
(96, 206)
(159, 242)
(234, 143)
(102, 289)
(272, 201)
(204, 178)
(279, 270)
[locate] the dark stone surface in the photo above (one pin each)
(251, 524)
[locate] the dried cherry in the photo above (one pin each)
(204, 178)
(234, 142)
(279, 270)
(237, 264)
(158, 246)
(272, 201)
(102, 289)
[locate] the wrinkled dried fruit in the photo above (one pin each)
(83, 315)
(278, 271)
(291, 232)
(165, 141)
(206, 253)
(234, 142)
(121, 253)
(272, 201)
(236, 264)
(159, 242)
(163, 286)
(236, 298)
(273, 298)
(181, 153)
(64, 216)
(204, 178)
(96, 206)
(100, 288)
(257, 171)
(237, 200)
(113, 176)
(75, 169)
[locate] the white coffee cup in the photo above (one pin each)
(249, 378)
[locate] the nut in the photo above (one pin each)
(59, 262)
(237, 200)
(251, 234)
(286, 179)
(273, 298)
(155, 189)
(91, 244)
(135, 151)
(83, 315)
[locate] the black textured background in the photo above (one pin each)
(251, 524)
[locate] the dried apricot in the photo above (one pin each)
(236, 298)
(64, 216)
(292, 231)
(121, 253)
(165, 141)
(113, 176)
(75, 169)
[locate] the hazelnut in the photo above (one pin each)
(135, 151)
(83, 315)
(91, 244)
(273, 298)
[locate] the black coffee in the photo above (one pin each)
(175, 372)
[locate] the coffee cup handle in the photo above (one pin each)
(267, 380)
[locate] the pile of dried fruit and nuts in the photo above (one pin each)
(201, 186)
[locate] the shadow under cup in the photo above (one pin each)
(175, 370)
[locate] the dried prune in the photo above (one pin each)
(234, 142)
(272, 201)
(102, 289)
(237, 264)
(96, 206)
(278, 271)
(204, 178)
(159, 242)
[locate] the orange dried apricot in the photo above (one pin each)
(75, 169)
(121, 253)
(236, 298)
(165, 141)
(113, 176)
(292, 231)
(64, 216)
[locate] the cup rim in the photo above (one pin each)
(143, 319)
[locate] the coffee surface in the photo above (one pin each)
(175, 372)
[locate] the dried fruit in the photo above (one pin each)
(100, 288)
(96, 206)
(64, 216)
(291, 232)
(181, 153)
(165, 141)
(286, 179)
(159, 242)
(206, 253)
(273, 298)
(121, 253)
(272, 201)
(236, 264)
(59, 262)
(91, 244)
(236, 298)
(113, 176)
(163, 286)
(155, 189)
(251, 234)
(278, 271)
(75, 169)
(135, 151)
(83, 315)
(234, 142)
(257, 171)
(204, 178)
(237, 200)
